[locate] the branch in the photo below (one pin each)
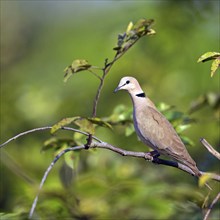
(24, 133)
(147, 156)
(210, 148)
(211, 206)
(47, 172)
(125, 42)
(104, 145)
(46, 128)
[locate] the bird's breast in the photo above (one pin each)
(144, 129)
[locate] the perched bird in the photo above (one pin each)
(153, 128)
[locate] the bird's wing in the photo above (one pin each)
(157, 130)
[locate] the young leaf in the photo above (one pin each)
(130, 26)
(62, 123)
(208, 56)
(215, 66)
(76, 66)
(211, 56)
(142, 27)
(132, 34)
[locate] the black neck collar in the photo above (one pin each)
(141, 95)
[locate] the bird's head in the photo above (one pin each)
(130, 84)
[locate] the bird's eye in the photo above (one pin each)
(127, 82)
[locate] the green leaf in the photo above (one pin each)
(79, 138)
(76, 66)
(129, 130)
(142, 27)
(208, 56)
(120, 115)
(173, 115)
(163, 107)
(85, 125)
(133, 33)
(182, 127)
(70, 158)
(215, 66)
(56, 143)
(130, 26)
(100, 122)
(62, 123)
(187, 141)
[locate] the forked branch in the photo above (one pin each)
(117, 150)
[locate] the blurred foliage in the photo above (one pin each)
(38, 39)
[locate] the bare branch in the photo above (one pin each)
(46, 128)
(104, 145)
(24, 133)
(47, 173)
(210, 148)
(147, 156)
(211, 206)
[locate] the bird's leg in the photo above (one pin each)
(154, 154)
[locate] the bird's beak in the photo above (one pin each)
(118, 88)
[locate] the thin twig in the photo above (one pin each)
(81, 132)
(46, 128)
(210, 148)
(95, 103)
(95, 74)
(106, 70)
(47, 173)
(24, 133)
(211, 206)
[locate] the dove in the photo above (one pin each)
(153, 128)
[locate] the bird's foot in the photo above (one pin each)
(153, 154)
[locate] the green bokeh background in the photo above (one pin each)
(38, 40)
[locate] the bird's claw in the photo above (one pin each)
(153, 154)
